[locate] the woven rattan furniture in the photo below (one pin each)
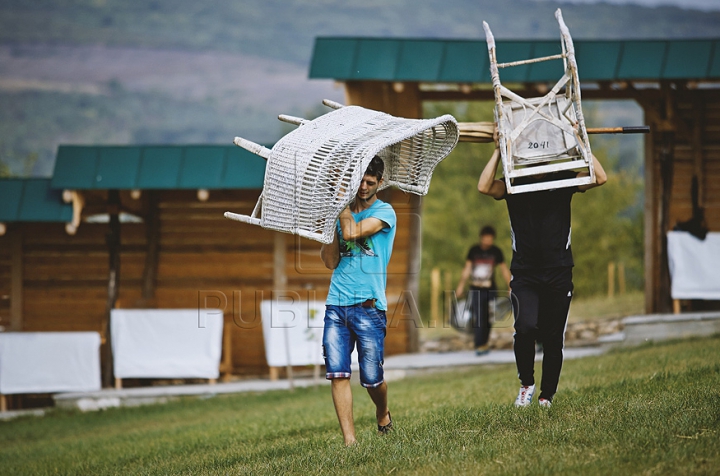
(314, 172)
(545, 134)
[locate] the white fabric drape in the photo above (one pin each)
(694, 265)
(49, 362)
(166, 343)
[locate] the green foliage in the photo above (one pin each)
(607, 227)
(652, 409)
(454, 211)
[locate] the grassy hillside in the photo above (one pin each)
(284, 29)
(70, 70)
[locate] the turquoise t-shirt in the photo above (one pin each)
(362, 272)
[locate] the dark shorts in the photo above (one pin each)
(346, 326)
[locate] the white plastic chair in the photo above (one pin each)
(545, 134)
(314, 172)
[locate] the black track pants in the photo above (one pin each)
(479, 303)
(541, 300)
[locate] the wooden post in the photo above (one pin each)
(621, 278)
(434, 297)
(676, 306)
(3, 403)
(118, 383)
(274, 373)
(650, 218)
(611, 279)
(113, 243)
(447, 288)
(697, 148)
(226, 366)
(412, 281)
(16, 280)
(667, 157)
(279, 284)
(152, 234)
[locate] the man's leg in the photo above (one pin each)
(338, 343)
(370, 330)
(525, 300)
(473, 300)
(484, 318)
(554, 307)
(379, 397)
(342, 399)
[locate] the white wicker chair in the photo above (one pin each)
(538, 135)
(314, 172)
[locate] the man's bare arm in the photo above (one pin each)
(463, 279)
(600, 175)
(487, 184)
(352, 230)
(330, 254)
(506, 273)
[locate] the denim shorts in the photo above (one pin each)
(344, 327)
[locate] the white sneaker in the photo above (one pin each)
(544, 402)
(525, 395)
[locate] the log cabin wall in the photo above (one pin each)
(401, 100)
(675, 81)
(202, 258)
(684, 143)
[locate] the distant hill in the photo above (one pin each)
(179, 71)
(284, 29)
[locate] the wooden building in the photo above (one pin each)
(143, 227)
(676, 82)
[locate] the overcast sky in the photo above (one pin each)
(694, 4)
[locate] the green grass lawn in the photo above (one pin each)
(648, 410)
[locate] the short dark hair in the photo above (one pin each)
(376, 168)
(488, 230)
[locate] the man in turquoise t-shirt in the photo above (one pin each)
(356, 302)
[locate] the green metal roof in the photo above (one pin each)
(157, 167)
(462, 61)
(32, 200)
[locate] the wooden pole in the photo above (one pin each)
(412, 279)
(447, 288)
(152, 233)
(16, 279)
(434, 297)
(279, 284)
(483, 131)
(611, 279)
(113, 244)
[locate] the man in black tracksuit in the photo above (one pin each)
(541, 272)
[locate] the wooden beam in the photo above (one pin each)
(697, 148)
(113, 244)
(387, 97)
(280, 283)
(152, 234)
(412, 282)
(667, 157)
(650, 224)
(16, 279)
